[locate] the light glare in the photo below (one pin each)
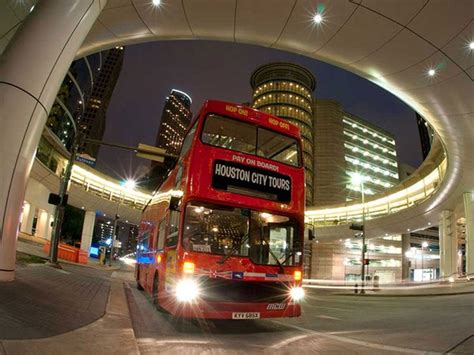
(471, 45)
(130, 184)
(357, 179)
(265, 215)
(297, 293)
(318, 18)
(156, 2)
(187, 290)
(431, 72)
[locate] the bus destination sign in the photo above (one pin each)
(252, 181)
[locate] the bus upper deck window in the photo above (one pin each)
(230, 134)
(275, 146)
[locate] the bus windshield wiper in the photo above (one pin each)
(280, 265)
(291, 253)
(232, 250)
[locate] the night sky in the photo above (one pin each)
(219, 70)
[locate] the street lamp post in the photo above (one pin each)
(114, 235)
(60, 208)
(128, 184)
(358, 179)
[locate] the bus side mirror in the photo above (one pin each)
(170, 162)
(175, 202)
(310, 234)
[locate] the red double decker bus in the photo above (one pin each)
(222, 238)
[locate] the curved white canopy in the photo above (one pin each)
(392, 43)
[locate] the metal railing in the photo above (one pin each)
(107, 188)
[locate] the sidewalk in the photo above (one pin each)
(75, 310)
(44, 301)
(34, 247)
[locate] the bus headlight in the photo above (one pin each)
(187, 290)
(297, 293)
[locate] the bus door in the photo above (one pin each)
(148, 256)
(144, 257)
(160, 256)
(170, 247)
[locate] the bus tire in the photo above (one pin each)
(154, 294)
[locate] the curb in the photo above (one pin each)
(61, 261)
(403, 295)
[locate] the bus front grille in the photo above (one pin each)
(243, 291)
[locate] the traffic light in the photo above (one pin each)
(54, 199)
(366, 261)
(356, 227)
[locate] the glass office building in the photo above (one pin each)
(369, 151)
(174, 121)
(349, 145)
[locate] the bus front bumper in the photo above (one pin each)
(236, 311)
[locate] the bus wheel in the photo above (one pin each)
(140, 287)
(154, 295)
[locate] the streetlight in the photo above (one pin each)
(358, 179)
(423, 246)
(128, 184)
(62, 197)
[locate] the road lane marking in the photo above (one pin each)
(288, 341)
(333, 308)
(356, 342)
(328, 317)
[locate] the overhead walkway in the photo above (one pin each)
(91, 189)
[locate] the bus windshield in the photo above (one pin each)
(244, 137)
(265, 238)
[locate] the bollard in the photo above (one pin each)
(356, 288)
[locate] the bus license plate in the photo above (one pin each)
(245, 315)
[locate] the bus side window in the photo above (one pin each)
(172, 238)
(188, 140)
(162, 234)
(153, 238)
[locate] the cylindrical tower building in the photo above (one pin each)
(285, 90)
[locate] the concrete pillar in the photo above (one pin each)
(42, 224)
(31, 71)
(27, 218)
(405, 259)
(469, 214)
(448, 244)
(87, 230)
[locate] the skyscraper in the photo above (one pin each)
(426, 135)
(84, 97)
(175, 120)
(285, 90)
(92, 121)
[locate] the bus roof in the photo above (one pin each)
(246, 113)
